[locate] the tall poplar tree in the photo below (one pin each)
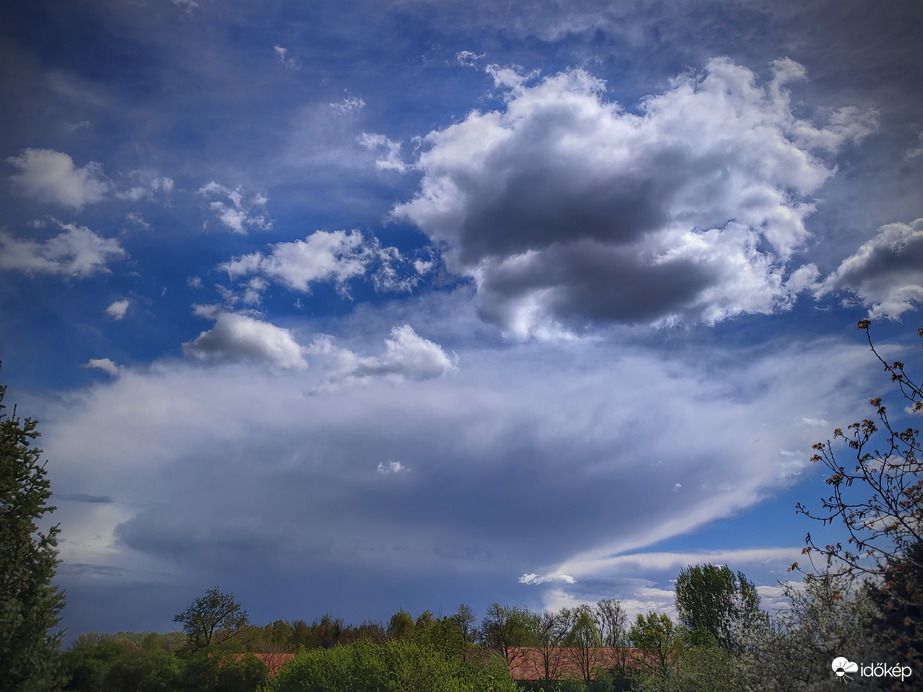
(30, 605)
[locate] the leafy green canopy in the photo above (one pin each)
(30, 605)
(394, 666)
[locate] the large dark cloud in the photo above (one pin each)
(508, 467)
(886, 273)
(563, 207)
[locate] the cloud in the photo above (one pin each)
(83, 497)
(563, 207)
(503, 432)
(407, 356)
(634, 563)
(51, 177)
(118, 309)
(238, 337)
(350, 104)
(107, 365)
(282, 54)
(886, 273)
(238, 213)
(392, 467)
(150, 184)
(392, 160)
(535, 579)
(334, 256)
(75, 252)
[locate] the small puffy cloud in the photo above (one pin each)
(107, 365)
(564, 208)
(334, 256)
(886, 273)
(238, 337)
(75, 252)
(535, 579)
(52, 177)
(118, 309)
(237, 212)
(392, 467)
(407, 356)
(392, 150)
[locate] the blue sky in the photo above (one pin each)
(353, 307)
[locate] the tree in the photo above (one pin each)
(507, 629)
(401, 625)
(30, 605)
(879, 501)
(659, 640)
(715, 604)
(466, 622)
(613, 626)
(826, 617)
(585, 641)
(549, 629)
(212, 619)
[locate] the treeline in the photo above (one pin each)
(721, 641)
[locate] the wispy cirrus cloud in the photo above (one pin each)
(237, 212)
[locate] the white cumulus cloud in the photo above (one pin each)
(238, 337)
(52, 177)
(75, 252)
(886, 272)
(564, 207)
(334, 256)
(107, 365)
(118, 309)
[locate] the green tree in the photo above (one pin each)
(659, 641)
(400, 626)
(395, 666)
(507, 629)
(466, 622)
(30, 605)
(212, 619)
(716, 605)
(549, 630)
(584, 642)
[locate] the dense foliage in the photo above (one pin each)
(398, 665)
(30, 605)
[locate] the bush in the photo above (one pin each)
(397, 666)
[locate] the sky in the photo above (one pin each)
(364, 306)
